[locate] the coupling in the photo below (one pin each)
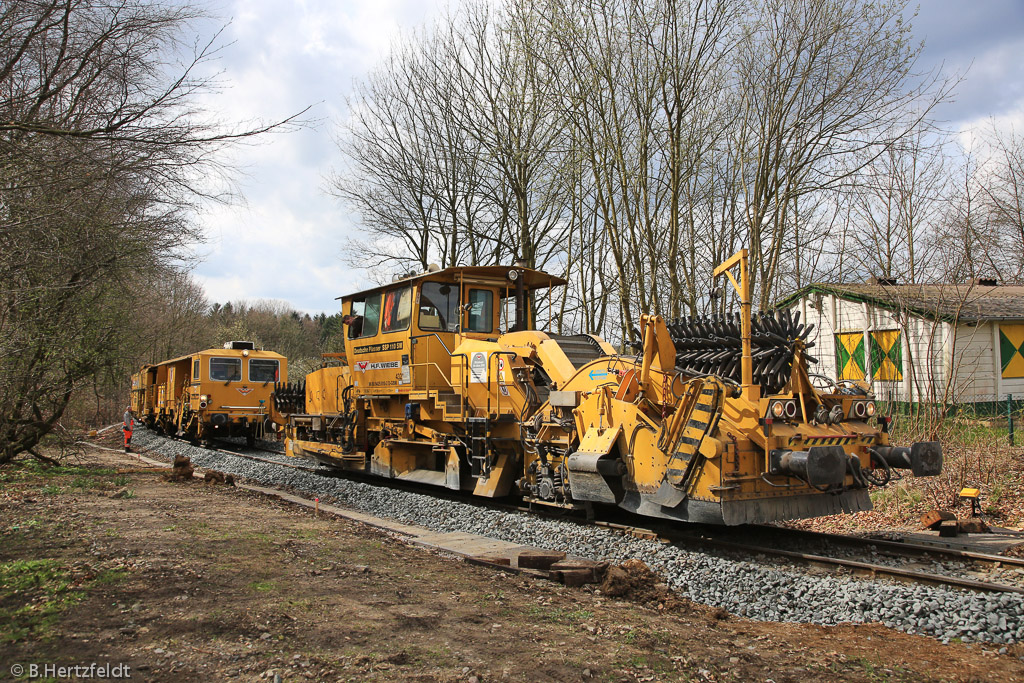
(923, 458)
(818, 466)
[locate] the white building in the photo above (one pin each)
(918, 343)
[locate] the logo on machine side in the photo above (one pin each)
(244, 391)
(363, 366)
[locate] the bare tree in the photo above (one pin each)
(825, 87)
(633, 145)
(103, 156)
(1002, 186)
(900, 199)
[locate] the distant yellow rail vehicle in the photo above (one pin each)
(216, 392)
(444, 381)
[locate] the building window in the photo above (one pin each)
(850, 356)
(397, 310)
(887, 355)
(263, 370)
(1011, 350)
(226, 369)
(439, 307)
(367, 313)
(481, 311)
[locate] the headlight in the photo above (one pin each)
(791, 409)
(869, 408)
(857, 409)
(785, 409)
(204, 397)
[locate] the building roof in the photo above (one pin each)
(963, 302)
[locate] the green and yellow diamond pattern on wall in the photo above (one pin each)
(887, 355)
(850, 355)
(1011, 350)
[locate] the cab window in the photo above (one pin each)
(480, 317)
(226, 369)
(439, 307)
(397, 310)
(367, 312)
(195, 369)
(262, 370)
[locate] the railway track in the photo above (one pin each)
(790, 545)
(868, 568)
(268, 461)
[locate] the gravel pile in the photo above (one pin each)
(758, 591)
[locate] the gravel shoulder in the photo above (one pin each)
(181, 581)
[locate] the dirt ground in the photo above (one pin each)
(103, 561)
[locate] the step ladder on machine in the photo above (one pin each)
(479, 447)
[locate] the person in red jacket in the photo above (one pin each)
(129, 424)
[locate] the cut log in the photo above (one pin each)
(932, 520)
(974, 525)
(539, 559)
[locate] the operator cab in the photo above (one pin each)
(400, 337)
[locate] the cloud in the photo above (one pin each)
(285, 240)
(980, 42)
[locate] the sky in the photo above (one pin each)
(283, 238)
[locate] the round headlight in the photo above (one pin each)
(857, 409)
(778, 409)
(869, 408)
(791, 409)
(513, 275)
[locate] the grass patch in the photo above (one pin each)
(81, 482)
(875, 673)
(110, 576)
(33, 593)
(560, 615)
(263, 586)
(305, 534)
(24, 527)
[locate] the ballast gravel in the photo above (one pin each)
(757, 591)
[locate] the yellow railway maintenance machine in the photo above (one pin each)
(211, 393)
(713, 420)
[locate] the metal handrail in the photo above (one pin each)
(439, 371)
(492, 354)
(464, 358)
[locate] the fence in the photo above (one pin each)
(1005, 407)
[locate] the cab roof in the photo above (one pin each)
(532, 279)
(254, 353)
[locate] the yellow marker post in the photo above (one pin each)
(751, 391)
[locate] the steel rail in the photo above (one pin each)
(901, 548)
(899, 573)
